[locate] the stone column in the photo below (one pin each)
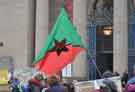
(120, 36)
(42, 21)
(30, 29)
(79, 68)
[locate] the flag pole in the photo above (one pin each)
(93, 62)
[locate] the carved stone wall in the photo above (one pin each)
(100, 11)
(16, 30)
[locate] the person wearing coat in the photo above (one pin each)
(130, 86)
(36, 84)
(55, 86)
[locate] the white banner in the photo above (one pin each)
(102, 85)
(86, 86)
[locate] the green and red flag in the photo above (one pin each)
(61, 47)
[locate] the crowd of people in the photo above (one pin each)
(39, 84)
(128, 84)
(54, 84)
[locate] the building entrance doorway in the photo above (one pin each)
(104, 48)
(104, 62)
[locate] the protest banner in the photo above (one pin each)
(110, 84)
(114, 83)
(86, 86)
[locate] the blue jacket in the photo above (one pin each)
(58, 88)
(131, 81)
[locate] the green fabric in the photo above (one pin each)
(63, 28)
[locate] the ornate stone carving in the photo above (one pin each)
(133, 1)
(103, 3)
(108, 4)
(131, 11)
(100, 9)
(94, 6)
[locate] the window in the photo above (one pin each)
(67, 71)
(131, 36)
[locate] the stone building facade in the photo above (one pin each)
(25, 24)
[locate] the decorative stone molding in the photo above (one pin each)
(100, 11)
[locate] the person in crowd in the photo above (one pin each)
(37, 84)
(116, 74)
(130, 87)
(55, 86)
(124, 79)
(70, 86)
(132, 80)
(107, 74)
(109, 85)
(16, 86)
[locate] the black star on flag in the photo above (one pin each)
(60, 47)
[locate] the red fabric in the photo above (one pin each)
(52, 63)
(36, 82)
(130, 87)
